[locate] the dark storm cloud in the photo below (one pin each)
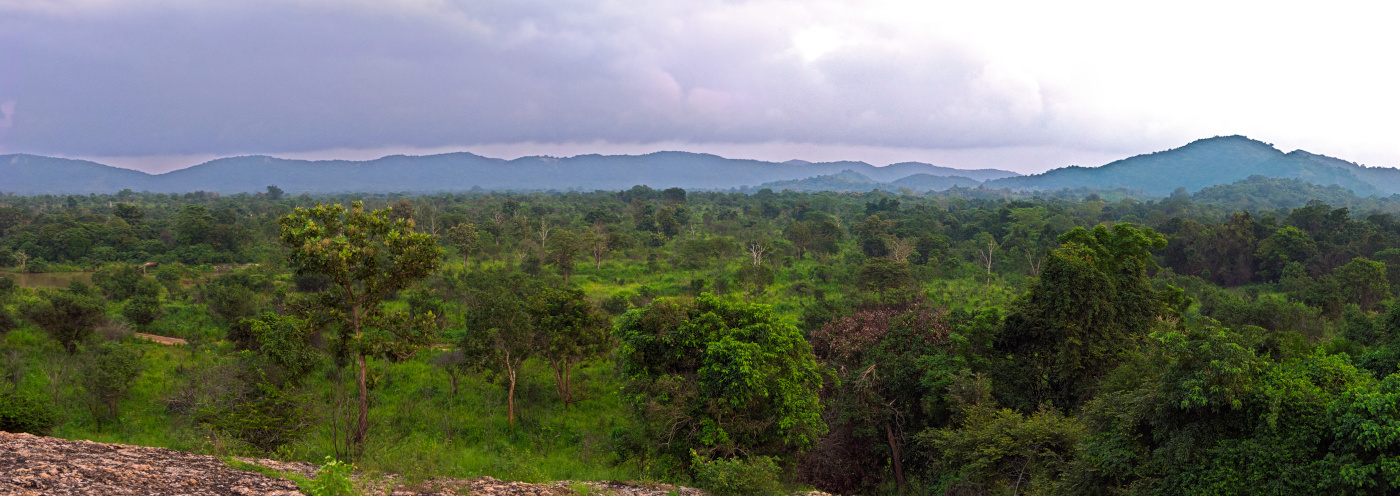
(150, 78)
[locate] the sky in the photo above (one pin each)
(1025, 86)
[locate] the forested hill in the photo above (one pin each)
(29, 174)
(1209, 162)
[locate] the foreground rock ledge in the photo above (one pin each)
(33, 465)
(36, 465)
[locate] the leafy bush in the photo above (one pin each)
(7, 319)
(108, 374)
(756, 476)
(25, 413)
(332, 479)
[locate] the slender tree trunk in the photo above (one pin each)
(894, 455)
(362, 423)
(510, 399)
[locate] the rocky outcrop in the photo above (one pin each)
(36, 465)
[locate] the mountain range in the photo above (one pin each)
(1197, 165)
(1209, 162)
(32, 174)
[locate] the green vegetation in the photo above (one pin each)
(963, 342)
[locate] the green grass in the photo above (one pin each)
(419, 429)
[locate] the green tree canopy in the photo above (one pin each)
(1093, 301)
(720, 377)
(367, 256)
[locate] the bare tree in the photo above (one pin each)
(902, 248)
(756, 250)
(544, 236)
(598, 243)
(987, 258)
(1034, 261)
(21, 257)
(57, 368)
(427, 217)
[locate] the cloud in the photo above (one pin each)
(170, 78)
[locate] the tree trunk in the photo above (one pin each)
(510, 398)
(894, 455)
(362, 423)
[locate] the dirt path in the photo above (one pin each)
(162, 339)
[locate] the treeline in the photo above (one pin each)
(953, 343)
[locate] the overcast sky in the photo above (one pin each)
(1025, 86)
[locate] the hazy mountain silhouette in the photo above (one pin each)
(1200, 164)
(30, 174)
(1208, 162)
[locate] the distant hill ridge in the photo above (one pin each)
(32, 174)
(1210, 162)
(1197, 165)
(852, 181)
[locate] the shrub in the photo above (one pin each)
(756, 476)
(7, 319)
(108, 373)
(332, 479)
(24, 413)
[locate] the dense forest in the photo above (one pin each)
(1241, 340)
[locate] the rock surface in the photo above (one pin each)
(36, 465)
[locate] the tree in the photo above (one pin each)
(498, 334)
(117, 282)
(128, 212)
(68, 316)
(258, 399)
(986, 254)
(891, 363)
(1364, 282)
(367, 256)
(193, 225)
(464, 235)
(108, 373)
(564, 250)
(20, 258)
(1091, 303)
(142, 310)
(573, 330)
(274, 193)
(674, 196)
(882, 275)
(598, 241)
(872, 233)
(800, 234)
(719, 378)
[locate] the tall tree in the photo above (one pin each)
(367, 256)
(499, 332)
(464, 235)
(68, 316)
(564, 250)
(1091, 303)
(718, 378)
(572, 330)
